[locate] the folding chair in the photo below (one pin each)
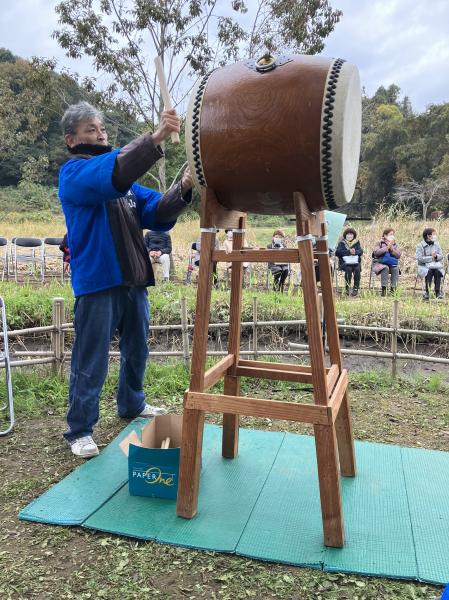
(247, 275)
(190, 265)
(4, 257)
(423, 279)
(269, 278)
(334, 263)
(371, 273)
(194, 254)
(35, 256)
(422, 283)
(53, 253)
(5, 361)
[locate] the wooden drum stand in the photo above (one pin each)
(330, 412)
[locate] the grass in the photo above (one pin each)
(31, 306)
(54, 562)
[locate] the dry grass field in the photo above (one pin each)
(408, 234)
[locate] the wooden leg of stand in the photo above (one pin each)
(345, 439)
(329, 479)
(311, 307)
(230, 443)
(193, 420)
(190, 464)
(343, 424)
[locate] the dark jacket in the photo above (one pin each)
(276, 267)
(344, 250)
(158, 240)
(105, 212)
(64, 247)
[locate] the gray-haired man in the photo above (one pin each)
(105, 212)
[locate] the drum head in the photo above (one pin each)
(340, 134)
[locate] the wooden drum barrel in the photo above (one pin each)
(258, 131)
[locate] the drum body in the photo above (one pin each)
(255, 137)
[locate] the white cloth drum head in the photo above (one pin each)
(341, 127)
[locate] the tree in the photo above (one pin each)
(123, 36)
(289, 24)
(426, 193)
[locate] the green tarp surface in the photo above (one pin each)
(265, 505)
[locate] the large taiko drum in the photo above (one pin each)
(258, 131)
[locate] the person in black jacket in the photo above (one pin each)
(349, 252)
(158, 244)
(279, 271)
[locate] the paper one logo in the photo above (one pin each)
(154, 475)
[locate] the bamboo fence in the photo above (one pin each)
(56, 355)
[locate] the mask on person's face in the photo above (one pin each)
(277, 240)
(349, 237)
(229, 235)
(390, 237)
(434, 237)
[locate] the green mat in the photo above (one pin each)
(265, 505)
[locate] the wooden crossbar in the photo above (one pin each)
(332, 377)
(276, 374)
(262, 364)
(212, 375)
(254, 407)
(338, 395)
(257, 255)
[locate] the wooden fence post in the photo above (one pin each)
(185, 332)
(57, 335)
(255, 329)
(394, 338)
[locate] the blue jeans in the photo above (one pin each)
(97, 317)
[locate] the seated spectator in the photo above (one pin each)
(429, 256)
(386, 255)
(196, 247)
(278, 270)
(158, 244)
(64, 247)
(349, 253)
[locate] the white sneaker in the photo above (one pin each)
(152, 411)
(84, 447)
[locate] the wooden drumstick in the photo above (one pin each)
(165, 443)
(165, 93)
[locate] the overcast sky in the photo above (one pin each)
(391, 41)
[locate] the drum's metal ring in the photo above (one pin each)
(326, 140)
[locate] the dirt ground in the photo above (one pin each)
(45, 562)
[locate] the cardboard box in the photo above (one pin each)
(153, 471)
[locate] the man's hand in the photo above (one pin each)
(352, 251)
(186, 181)
(155, 253)
(168, 123)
